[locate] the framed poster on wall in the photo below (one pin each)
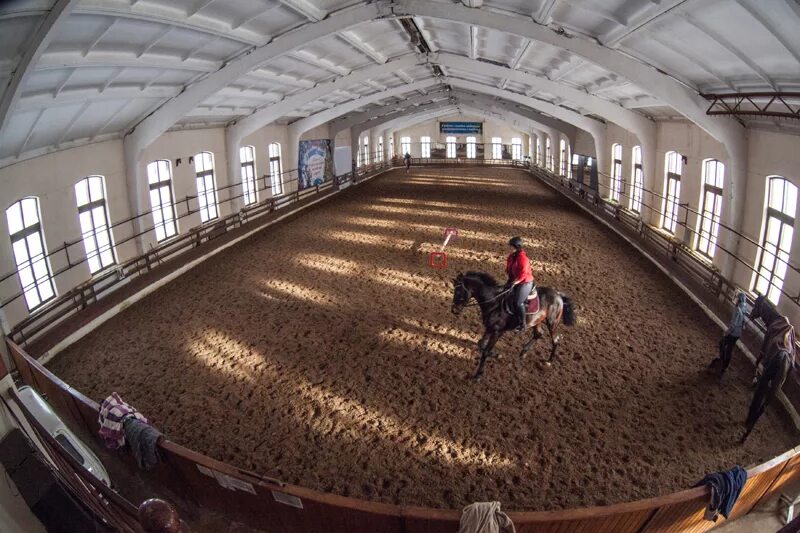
(315, 163)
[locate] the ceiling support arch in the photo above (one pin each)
(39, 42)
(296, 129)
(687, 102)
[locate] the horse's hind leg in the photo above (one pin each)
(554, 340)
(527, 346)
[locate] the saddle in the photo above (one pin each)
(533, 302)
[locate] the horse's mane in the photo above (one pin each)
(486, 279)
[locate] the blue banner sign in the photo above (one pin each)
(461, 128)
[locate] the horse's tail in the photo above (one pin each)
(569, 311)
(771, 381)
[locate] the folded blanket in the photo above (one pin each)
(725, 489)
(485, 517)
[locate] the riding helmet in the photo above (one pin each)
(516, 242)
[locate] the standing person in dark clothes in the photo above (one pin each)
(407, 159)
(732, 334)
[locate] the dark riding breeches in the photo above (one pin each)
(726, 346)
(521, 293)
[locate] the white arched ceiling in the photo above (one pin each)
(397, 106)
(108, 67)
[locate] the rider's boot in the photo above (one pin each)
(522, 309)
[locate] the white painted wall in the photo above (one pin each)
(51, 177)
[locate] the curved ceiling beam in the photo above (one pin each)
(272, 112)
(640, 126)
(173, 110)
(377, 121)
(318, 119)
(342, 123)
(37, 44)
(687, 102)
(595, 128)
(482, 99)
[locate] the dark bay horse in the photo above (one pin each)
(554, 307)
(777, 353)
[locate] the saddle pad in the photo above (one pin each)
(533, 305)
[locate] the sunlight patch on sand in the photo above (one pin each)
(362, 418)
(300, 292)
(367, 238)
(329, 264)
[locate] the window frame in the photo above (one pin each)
(516, 148)
(637, 180)
(249, 183)
(548, 154)
(784, 220)
(425, 147)
(91, 207)
(379, 152)
(23, 235)
(616, 172)
(450, 147)
(472, 147)
(710, 235)
(671, 200)
(159, 186)
(275, 163)
(562, 146)
(497, 148)
(204, 177)
(405, 146)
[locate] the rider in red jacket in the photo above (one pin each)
(520, 278)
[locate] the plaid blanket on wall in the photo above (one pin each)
(113, 413)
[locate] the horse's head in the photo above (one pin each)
(461, 295)
(759, 307)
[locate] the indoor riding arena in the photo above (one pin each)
(399, 266)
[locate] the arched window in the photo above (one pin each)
(451, 147)
(365, 158)
(548, 154)
(379, 155)
(616, 172)
(425, 147)
(405, 146)
(516, 148)
(562, 148)
(710, 207)
(472, 143)
(30, 252)
(637, 181)
(98, 243)
(275, 172)
(159, 179)
(538, 155)
(777, 241)
(497, 148)
(672, 191)
(206, 186)
(391, 145)
(247, 156)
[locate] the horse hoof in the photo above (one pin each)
(548, 364)
(476, 379)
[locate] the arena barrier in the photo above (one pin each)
(267, 503)
(220, 230)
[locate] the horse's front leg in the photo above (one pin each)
(484, 340)
(487, 350)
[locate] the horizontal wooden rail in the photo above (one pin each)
(268, 503)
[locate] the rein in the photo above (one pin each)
(478, 302)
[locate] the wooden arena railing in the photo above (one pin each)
(84, 295)
(267, 503)
(262, 502)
